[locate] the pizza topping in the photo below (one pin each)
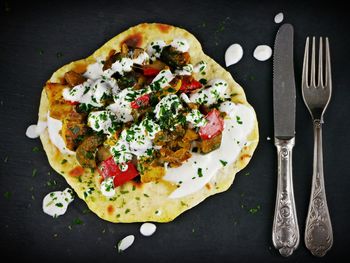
(155, 48)
(56, 203)
(73, 78)
(185, 70)
(162, 80)
(213, 127)
(200, 67)
(104, 121)
(216, 90)
(107, 187)
(174, 58)
(54, 128)
(180, 44)
(145, 110)
(196, 118)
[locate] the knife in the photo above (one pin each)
(285, 230)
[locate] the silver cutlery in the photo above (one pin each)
(316, 95)
(285, 230)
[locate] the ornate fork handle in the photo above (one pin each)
(318, 231)
(285, 230)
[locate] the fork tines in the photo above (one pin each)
(310, 81)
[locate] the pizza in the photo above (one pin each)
(148, 126)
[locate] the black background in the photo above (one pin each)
(38, 38)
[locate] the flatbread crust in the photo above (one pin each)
(144, 202)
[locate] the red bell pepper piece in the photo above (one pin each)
(150, 72)
(140, 102)
(108, 168)
(72, 102)
(189, 84)
(214, 126)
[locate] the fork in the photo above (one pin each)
(318, 230)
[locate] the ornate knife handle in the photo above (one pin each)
(318, 230)
(285, 230)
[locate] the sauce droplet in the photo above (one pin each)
(262, 52)
(125, 243)
(279, 18)
(34, 130)
(233, 54)
(148, 229)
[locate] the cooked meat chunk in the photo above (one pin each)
(87, 150)
(73, 129)
(73, 78)
(174, 58)
(59, 108)
(103, 153)
(152, 173)
(209, 145)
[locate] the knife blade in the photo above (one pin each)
(285, 230)
(284, 84)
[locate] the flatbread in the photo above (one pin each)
(143, 202)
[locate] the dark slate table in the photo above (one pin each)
(38, 38)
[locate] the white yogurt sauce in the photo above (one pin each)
(125, 243)
(54, 127)
(279, 18)
(148, 229)
(185, 70)
(180, 44)
(102, 121)
(35, 130)
(200, 67)
(196, 118)
(162, 80)
(262, 52)
(216, 89)
(233, 54)
(155, 48)
(94, 71)
(56, 203)
(165, 105)
(238, 124)
(107, 187)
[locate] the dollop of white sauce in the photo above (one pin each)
(107, 187)
(54, 127)
(137, 140)
(216, 89)
(154, 49)
(238, 124)
(56, 203)
(262, 52)
(180, 44)
(166, 104)
(162, 80)
(102, 121)
(94, 71)
(200, 67)
(233, 54)
(35, 130)
(196, 118)
(148, 229)
(122, 104)
(125, 243)
(279, 18)
(185, 70)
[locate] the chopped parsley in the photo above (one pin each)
(224, 163)
(77, 221)
(63, 161)
(238, 119)
(199, 172)
(35, 149)
(7, 195)
(34, 172)
(59, 204)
